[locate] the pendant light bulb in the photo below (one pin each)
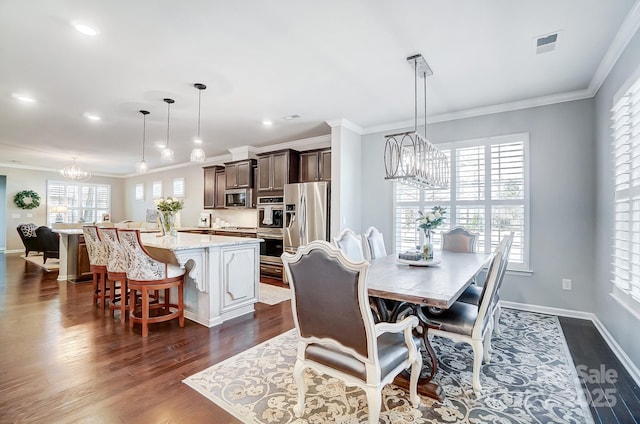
(167, 154)
(141, 167)
(197, 154)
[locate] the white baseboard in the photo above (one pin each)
(631, 368)
(14, 251)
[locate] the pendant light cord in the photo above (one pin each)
(199, 103)
(168, 120)
(425, 105)
(415, 95)
(144, 132)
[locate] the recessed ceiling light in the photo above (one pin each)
(267, 123)
(85, 29)
(91, 116)
(23, 98)
(197, 141)
(160, 145)
(290, 117)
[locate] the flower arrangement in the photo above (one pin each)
(432, 219)
(169, 204)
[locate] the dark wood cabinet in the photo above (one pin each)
(83, 267)
(214, 185)
(315, 165)
(239, 174)
(275, 169)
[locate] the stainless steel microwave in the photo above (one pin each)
(238, 198)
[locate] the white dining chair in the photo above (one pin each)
(373, 244)
(351, 244)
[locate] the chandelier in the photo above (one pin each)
(73, 172)
(197, 154)
(408, 156)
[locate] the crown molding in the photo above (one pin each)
(301, 145)
(342, 122)
(54, 170)
(622, 38)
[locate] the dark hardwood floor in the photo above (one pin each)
(65, 361)
(62, 360)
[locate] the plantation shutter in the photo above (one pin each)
(140, 191)
(626, 155)
(470, 173)
(156, 189)
(178, 187)
(83, 202)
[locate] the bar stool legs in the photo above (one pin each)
(119, 294)
(99, 285)
(167, 310)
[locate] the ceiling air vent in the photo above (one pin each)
(547, 43)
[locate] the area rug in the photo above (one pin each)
(272, 295)
(52, 264)
(531, 379)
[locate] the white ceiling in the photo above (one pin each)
(323, 60)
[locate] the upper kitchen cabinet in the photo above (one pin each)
(275, 169)
(315, 165)
(239, 174)
(214, 185)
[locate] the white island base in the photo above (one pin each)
(223, 273)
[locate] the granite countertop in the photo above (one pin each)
(184, 241)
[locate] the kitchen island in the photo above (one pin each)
(223, 273)
(222, 278)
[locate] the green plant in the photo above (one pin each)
(169, 204)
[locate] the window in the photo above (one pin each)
(156, 189)
(626, 156)
(488, 195)
(178, 187)
(75, 202)
(140, 191)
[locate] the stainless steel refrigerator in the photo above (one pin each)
(306, 207)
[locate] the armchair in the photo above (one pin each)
(28, 236)
(49, 243)
(336, 331)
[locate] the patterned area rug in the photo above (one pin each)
(272, 295)
(531, 379)
(52, 264)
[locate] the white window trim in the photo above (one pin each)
(153, 184)
(173, 187)
(135, 192)
(520, 269)
(622, 296)
(79, 208)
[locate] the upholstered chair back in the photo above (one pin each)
(374, 244)
(95, 248)
(116, 260)
(140, 265)
(350, 244)
(328, 299)
(459, 240)
(488, 294)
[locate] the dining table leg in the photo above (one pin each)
(426, 385)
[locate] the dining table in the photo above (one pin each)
(410, 285)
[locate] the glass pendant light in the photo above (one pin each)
(197, 154)
(167, 154)
(141, 167)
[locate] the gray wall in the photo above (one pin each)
(621, 324)
(562, 180)
(3, 212)
(26, 179)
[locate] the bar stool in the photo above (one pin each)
(145, 274)
(116, 271)
(98, 264)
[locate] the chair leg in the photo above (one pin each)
(181, 304)
(96, 288)
(496, 319)
(416, 367)
(112, 295)
(145, 312)
(477, 363)
(374, 400)
(124, 297)
(298, 376)
(103, 290)
(132, 306)
(486, 344)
